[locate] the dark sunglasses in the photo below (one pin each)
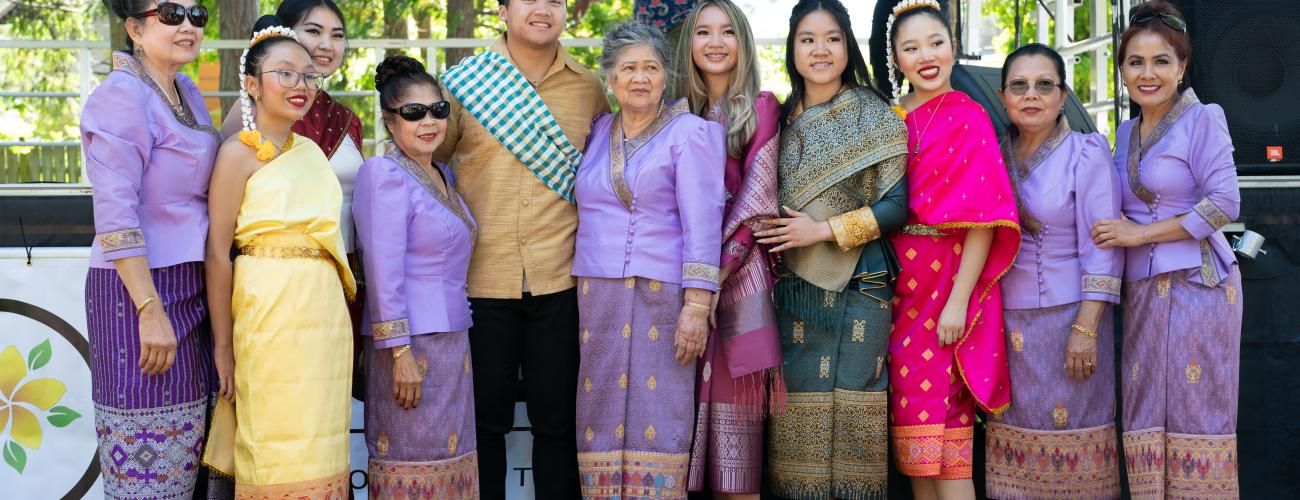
(173, 14)
(415, 111)
(1042, 87)
(1170, 20)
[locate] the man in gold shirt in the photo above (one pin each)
(521, 114)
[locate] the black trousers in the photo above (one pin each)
(538, 335)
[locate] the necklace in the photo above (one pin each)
(176, 106)
(266, 150)
(921, 135)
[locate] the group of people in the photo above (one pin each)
(707, 290)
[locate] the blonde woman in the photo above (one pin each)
(720, 83)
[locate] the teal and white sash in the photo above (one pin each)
(503, 101)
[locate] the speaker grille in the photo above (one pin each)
(1246, 58)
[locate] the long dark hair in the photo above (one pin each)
(855, 75)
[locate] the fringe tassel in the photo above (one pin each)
(776, 391)
(752, 393)
(807, 302)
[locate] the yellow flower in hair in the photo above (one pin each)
(902, 113)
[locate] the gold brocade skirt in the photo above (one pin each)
(287, 432)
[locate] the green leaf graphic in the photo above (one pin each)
(61, 416)
(15, 456)
(40, 355)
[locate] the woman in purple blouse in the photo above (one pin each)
(149, 148)
(1056, 297)
(415, 235)
(1182, 297)
(650, 198)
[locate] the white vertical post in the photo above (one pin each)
(1100, 68)
(85, 82)
(1065, 32)
(971, 32)
(1044, 29)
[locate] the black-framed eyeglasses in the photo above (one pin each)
(289, 78)
(1170, 20)
(1042, 87)
(173, 14)
(415, 111)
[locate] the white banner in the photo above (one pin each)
(50, 452)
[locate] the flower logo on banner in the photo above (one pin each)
(23, 400)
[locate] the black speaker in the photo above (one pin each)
(1245, 57)
(982, 84)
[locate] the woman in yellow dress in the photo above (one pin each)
(282, 336)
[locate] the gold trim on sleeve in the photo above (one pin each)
(854, 229)
(695, 271)
(1096, 283)
(388, 330)
(125, 239)
(1211, 213)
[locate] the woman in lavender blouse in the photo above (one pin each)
(1056, 297)
(650, 198)
(149, 148)
(415, 235)
(1182, 292)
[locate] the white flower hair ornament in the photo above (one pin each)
(894, 68)
(249, 134)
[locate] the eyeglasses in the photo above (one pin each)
(415, 111)
(1042, 87)
(290, 79)
(173, 14)
(1170, 20)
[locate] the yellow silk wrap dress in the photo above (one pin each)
(286, 435)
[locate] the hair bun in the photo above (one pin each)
(1155, 7)
(394, 66)
(267, 21)
(123, 9)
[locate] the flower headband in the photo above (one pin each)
(894, 69)
(266, 33)
(249, 134)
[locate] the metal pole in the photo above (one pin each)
(1099, 63)
(83, 67)
(1065, 33)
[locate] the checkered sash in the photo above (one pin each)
(503, 101)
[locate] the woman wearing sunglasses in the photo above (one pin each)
(1056, 296)
(149, 147)
(279, 317)
(1182, 289)
(415, 235)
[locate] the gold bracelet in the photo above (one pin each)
(140, 308)
(400, 351)
(1083, 330)
(697, 305)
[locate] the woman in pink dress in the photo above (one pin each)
(947, 350)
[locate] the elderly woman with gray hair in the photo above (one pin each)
(650, 200)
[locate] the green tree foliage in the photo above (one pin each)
(43, 70)
(1003, 11)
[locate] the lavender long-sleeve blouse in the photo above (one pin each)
(1184, 167)
(1066, 187)
(653, 207)
(149, 167)
(415, 242)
